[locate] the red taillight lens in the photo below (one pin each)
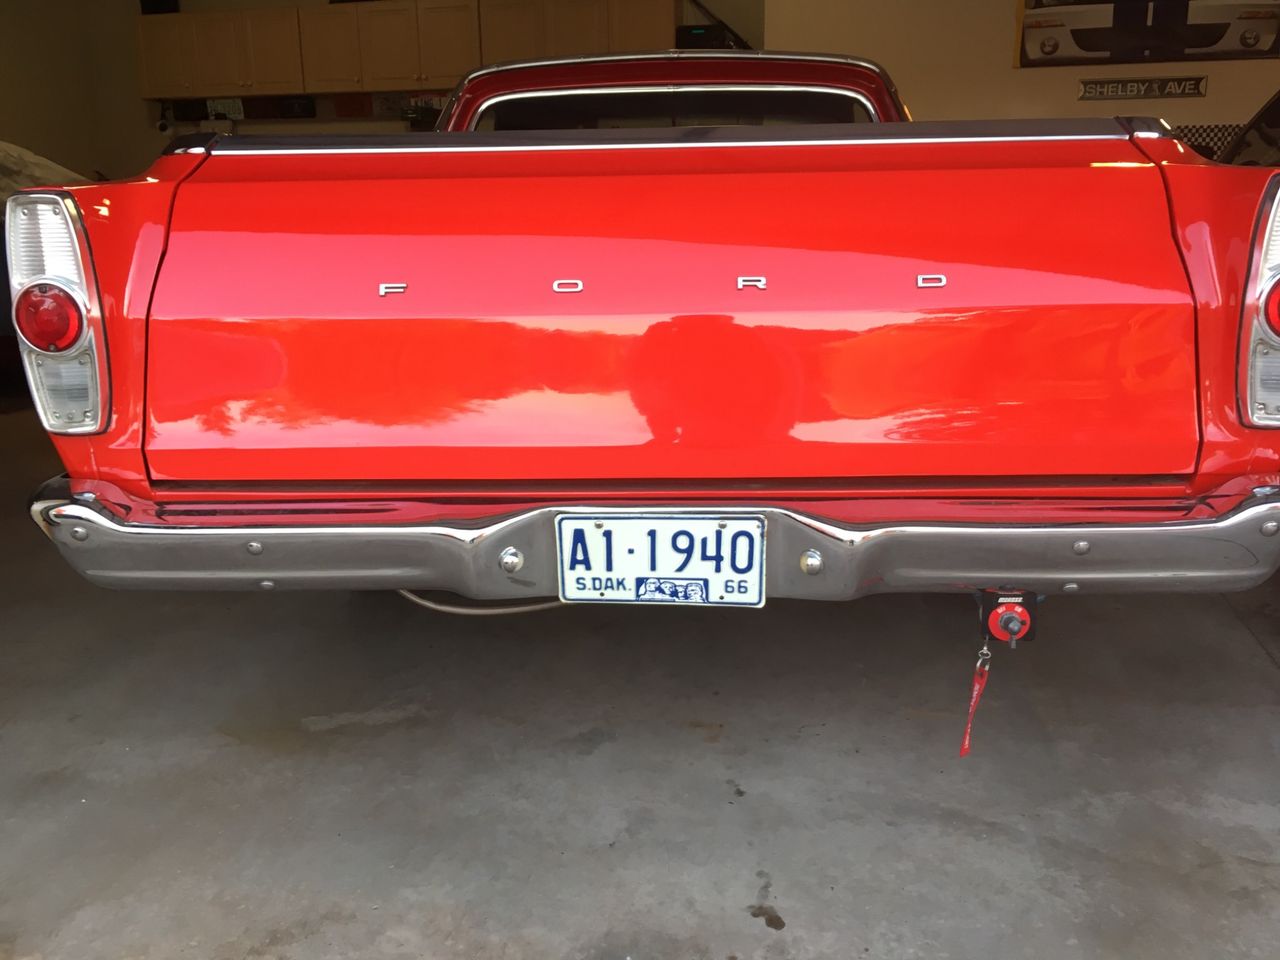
(48, 317)
(1271, 307)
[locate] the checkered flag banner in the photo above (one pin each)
(1215, 136)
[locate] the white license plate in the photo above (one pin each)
(701, 560)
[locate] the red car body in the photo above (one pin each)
(998, 326)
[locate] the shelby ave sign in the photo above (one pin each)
(1144, 88)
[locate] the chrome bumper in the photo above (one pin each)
(1231, 552)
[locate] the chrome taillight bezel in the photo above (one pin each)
(87, 357)
(1261, 406)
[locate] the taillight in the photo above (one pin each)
(1271, 307)
(48, 317)
(1262, 319)
(55, 309)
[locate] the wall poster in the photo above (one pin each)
(1086, 32)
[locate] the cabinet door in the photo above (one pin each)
(165, 45)
(272, 49)
(330, 48)
(511, 30)
(389, 44)
(449, 40)
(641, 25)
(216, 64)
(576, 27)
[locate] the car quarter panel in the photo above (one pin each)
(1216, 210)
(126, 223)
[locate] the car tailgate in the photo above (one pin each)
(925, 307)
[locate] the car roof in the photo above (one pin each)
(744, 55)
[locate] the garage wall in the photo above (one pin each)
(69, 85)
(43, 116)
(125, 138)
(953, 59)
(745, 16)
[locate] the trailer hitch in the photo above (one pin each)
(1004, 616)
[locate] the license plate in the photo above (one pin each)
(662, 559)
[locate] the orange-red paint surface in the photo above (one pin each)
(1081, 361)
(1059, 346)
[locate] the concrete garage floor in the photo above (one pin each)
(336, 776)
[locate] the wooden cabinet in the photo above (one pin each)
(511, 30)
(166, 44)
(380, 44)
(330, 48)
(527, 29)
(218, 68)
(576, 27)
(448, 40)
(272, 51)
(641, 25)
(389, 45)
(220, 54)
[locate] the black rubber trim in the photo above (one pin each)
(966, 130)
(852, 486)
(55, 488)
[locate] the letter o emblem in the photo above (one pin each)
(568, 286)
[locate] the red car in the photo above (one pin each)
(671, 329)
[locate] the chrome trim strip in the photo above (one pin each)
(1262, 278)
(679, 55)
(1236, 551)
(467, 141)
(486, 105)
(804, 135)
(693, 145)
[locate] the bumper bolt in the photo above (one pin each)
(254, 547)
(79, 533)
(1271, 528)
(511, 560)
(1080, 547)
(811, 562)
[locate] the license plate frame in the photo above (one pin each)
(626, 551)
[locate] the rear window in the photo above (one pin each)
(672, 108)
(1259, 145)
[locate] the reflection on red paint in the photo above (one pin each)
(1056, 349)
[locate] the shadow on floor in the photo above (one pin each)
(335, 775)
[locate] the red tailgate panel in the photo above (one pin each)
(1062, 344)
